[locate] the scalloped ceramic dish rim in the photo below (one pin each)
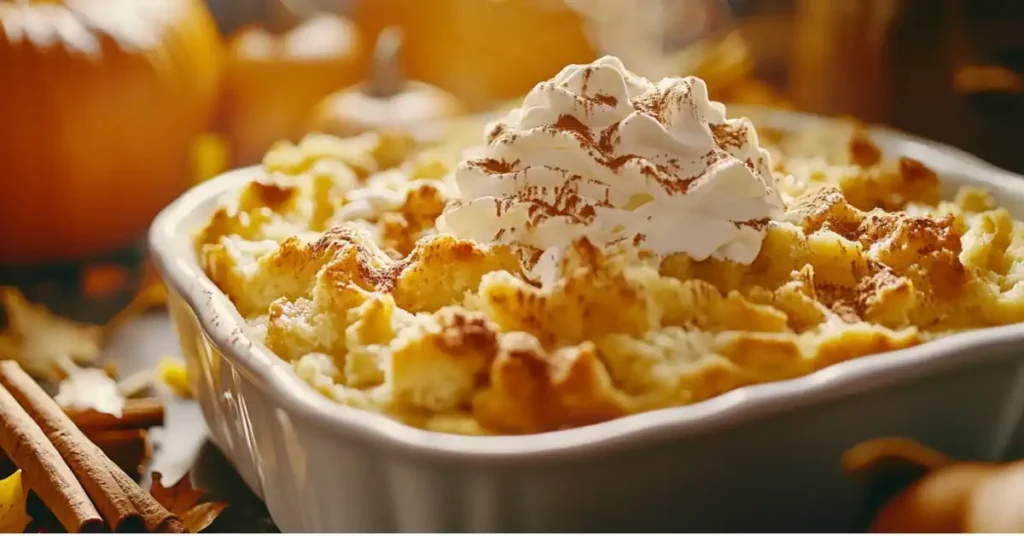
(171, 248)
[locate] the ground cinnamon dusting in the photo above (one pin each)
(654, 103)
(463, 332)
(607, 100)
(384, 280)
(534, 257)
(727, 136)
(757, 225)
(569, 123)
(493, 165)
(609, 137)
(495, 132)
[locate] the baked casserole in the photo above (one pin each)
(514, 288)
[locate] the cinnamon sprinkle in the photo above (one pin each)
(605, 99)
(495, 166)
(568, 123)
(757, 225)
(463, 331)
(609, 137)
(495, 132)
(602, 148)
(534, 257)
(728, 137)
(588, 71)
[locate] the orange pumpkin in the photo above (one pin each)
(481, 50)
(276, 77)
(100, 103)
(387, 101)
(952, 496)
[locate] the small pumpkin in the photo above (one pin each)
(387, 102)
(276, 75)
(100, 104)
(481, 51)
(952, 496)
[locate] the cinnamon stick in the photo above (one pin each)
(137, 413)
(154, 515)
(43, 468)
(128, 449)
(114, 492)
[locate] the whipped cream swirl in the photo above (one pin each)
(601, 153)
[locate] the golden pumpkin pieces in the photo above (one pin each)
(952, 496)
(101, 101)
(387, 102)
(37, 339)
(13, 515)
(277, 75)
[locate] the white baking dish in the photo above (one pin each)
(761, 458)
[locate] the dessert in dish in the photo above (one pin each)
(614, 246)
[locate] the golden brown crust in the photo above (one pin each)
(334, 260)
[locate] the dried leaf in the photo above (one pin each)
(183, 500)
(89, 388)
(174, 375)
(13, 516)
(202, 515)
(37, 339)
(152, 294)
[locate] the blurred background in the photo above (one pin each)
(112, 108)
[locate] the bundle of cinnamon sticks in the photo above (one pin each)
(62, 463)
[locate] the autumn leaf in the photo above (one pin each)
(183, 500)
(37, 339)
(88, 388)
(151, 294)
(13, 517)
